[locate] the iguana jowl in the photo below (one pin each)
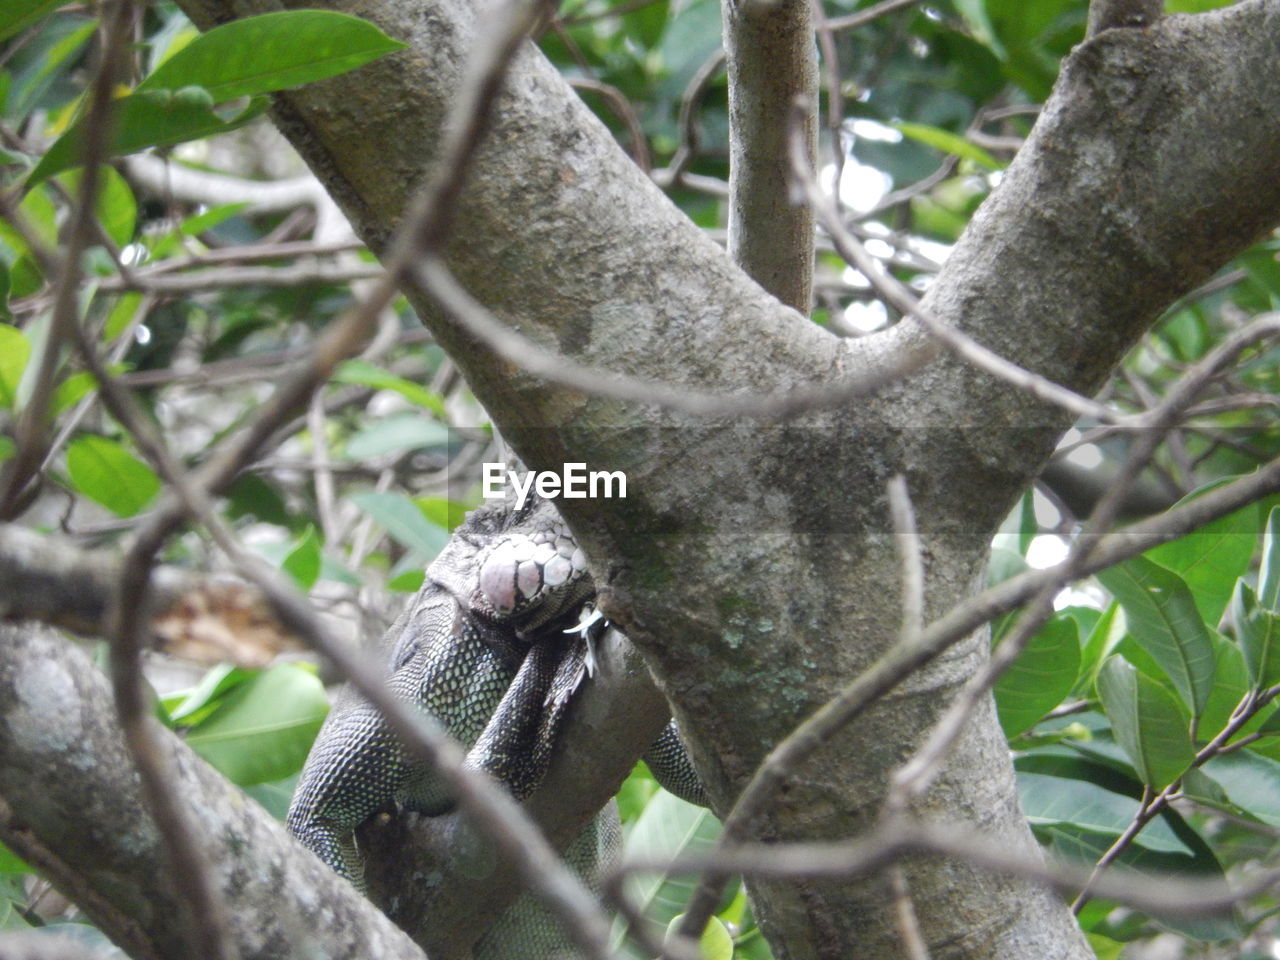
(484, 648)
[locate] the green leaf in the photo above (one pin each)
(1211, 558)
(715, 942)
(1230, 683)
(1005, 564)
(250, 495)
(635, 793)
(443, 512)
(107, 473)
(263, 729)
(410, 581)
(1258, 632)
(7, 448)
(365, 374)
(1104, 948)
(63, 40)
(403, 520)
(122, 314)
(274, 796)
(1145, 866)
(1028, 526)
(331, 569)
(10, 862)
(1251, 781)
(15, 351)
(667, 826)
(1269, 569)
(41, 216)
(1041, 678)
(1102, 641)
(408, 431)
(145, 119)
(71, 391)
(272, 52)
(194, 225)
(1194, 6)
(193, 705)
(1147, 723)
(974, 13)
(646, 23)
(115, 206)
(1162, 617)
(948, 142)
(17, 15)
(1050, 800)
(77, 386)
(303, 561)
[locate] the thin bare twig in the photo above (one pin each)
(50, 580)
(295, 275)
(619, 10)
(208, 937)
(30, 431)
(435, 279)
(322, 475)
(856, 858)
(1154, 802)
(909, 559)
(424, 229)
(625, 112)
(853, 21)
(695, 92)
(833, 80)
(908, 922)
(433, 210)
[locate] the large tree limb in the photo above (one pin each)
(71, 803)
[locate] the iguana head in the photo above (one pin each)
(533, 573)
(518, 567)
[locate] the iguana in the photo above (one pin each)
(491, 646)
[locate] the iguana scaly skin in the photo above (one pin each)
(487, 647)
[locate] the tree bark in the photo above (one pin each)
(772, 60)
(752, 565)
(72, 806)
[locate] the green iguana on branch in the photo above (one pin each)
(493, 645)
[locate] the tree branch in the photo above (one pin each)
(204, 618)
(771, 62)
(68, 788)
